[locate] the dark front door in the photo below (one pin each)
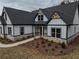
(40, 30)
(22, 30)
(53, 32)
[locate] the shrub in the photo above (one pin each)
(46, 40)
(53, 49)
(42, 42)
(63, 45)
(52, 41)
(37, 46)
(56, 46)
(46, 50)
(44, 46)
(61, 51)
(49, 44)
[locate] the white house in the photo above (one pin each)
(59, 22)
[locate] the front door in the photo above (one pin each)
(41, 31)
(21, 30)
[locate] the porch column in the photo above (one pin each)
(42, 31)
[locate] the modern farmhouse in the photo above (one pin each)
(60, 22)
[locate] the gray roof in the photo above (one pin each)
(2, 21)
(19, 17)
(66, 12)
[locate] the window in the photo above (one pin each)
(40, 17)
(0, 30)
(56, 32)
(9, 30)
(53, 32)
(22, 30)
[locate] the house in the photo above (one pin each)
(59, 23)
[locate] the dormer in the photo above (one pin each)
(6, 16)
(41, 16)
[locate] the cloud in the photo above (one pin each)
(28, 5)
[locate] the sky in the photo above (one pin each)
(28, 5)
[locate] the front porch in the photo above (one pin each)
(40, 31)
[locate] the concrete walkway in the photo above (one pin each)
(16, 44)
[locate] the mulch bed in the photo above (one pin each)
(51, 48)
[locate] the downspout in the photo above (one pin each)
(67, 34)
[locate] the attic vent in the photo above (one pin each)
(56, 16)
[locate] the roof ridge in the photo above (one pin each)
(17, 9)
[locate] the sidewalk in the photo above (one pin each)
(16, 44)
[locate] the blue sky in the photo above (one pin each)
(28, 5)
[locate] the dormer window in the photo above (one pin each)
(40, 17)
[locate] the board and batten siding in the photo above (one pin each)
(52, 24)
(6, 29)
(27, 30)
(41, 13)
(8, 19)
(73, 29)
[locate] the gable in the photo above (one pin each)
(19, 17)
(55, 16)
(6, 17)
(76, 17)
(41, 13)
(57, 22)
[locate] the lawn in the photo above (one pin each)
(25, 51)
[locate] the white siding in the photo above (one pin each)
(27, 29)
(55, 22)
(74, 28)
(40, 13)
(6, 29)
(8, 19)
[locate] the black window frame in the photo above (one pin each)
(40, 17)
(21, 30)
(56, 32)
(9, 30)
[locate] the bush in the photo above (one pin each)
(49, 44)
(43, 46)
(42, 42)
(52, 41)
(63, 45)
(56, 46)
(53, 49)
(61, 51)
(46, 50)
(37, 46)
